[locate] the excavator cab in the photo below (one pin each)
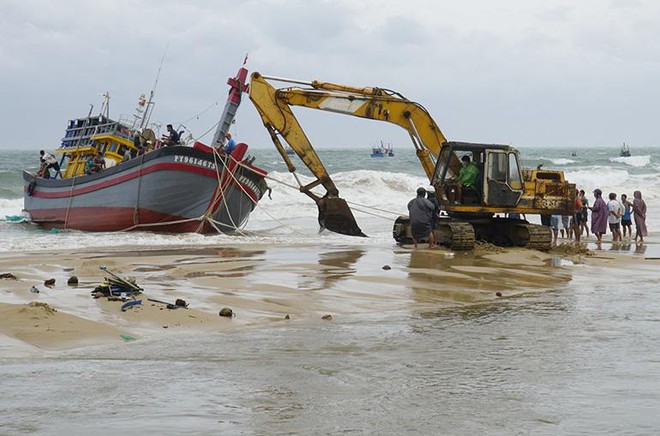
(499, 183)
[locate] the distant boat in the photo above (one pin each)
(574, 154)
(290, 151)
(382, 150)
(625, 151)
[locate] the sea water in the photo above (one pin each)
(378, 190)
(581, 358)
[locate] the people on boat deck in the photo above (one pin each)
(172, 137)
(230, 145)
(98, 163)
(48, 161)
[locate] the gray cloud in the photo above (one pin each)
(525, 72)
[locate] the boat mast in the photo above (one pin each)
(237, 87)
(150, 103)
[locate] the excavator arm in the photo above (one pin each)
(274, 107)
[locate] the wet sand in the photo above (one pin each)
(262, 285)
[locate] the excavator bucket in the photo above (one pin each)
(336, 216)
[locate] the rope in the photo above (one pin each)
(202, 112)
(68, 208)
(136, 211)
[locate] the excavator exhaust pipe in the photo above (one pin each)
(336, 216)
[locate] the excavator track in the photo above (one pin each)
(454, 234)
(460, 234)
(508, 232)
(540, 237)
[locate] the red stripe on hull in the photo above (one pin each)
(112, 219)
(66, 191)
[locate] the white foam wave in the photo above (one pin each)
(633, 161)
(10, 207)
(597, 177)
(561, 161)
(376, 199)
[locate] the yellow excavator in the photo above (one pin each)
(502, 187)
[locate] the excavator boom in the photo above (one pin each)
(274, 107)
(279, 120)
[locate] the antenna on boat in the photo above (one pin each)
(150, 103)
(105, 105)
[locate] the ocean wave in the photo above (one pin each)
(559, 161)
(633, 161)
(597, 177)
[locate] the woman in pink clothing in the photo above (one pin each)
(599, 215)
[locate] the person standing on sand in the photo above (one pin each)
(555, 222)
(639, 211)
(626, 219)
(577, 216)
(599, 215)
(421, 212)
(585, 212)
(614, 217)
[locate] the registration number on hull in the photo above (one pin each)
(195, 161)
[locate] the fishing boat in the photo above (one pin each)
(290, 151)
(382, 150)
(182, 187)
(625, 150)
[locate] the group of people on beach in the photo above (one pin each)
(617, 214)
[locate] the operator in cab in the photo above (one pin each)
(422, 212)
(467, 178)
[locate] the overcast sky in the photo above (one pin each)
(522, 72)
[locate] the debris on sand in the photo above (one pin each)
(568, 249)
(45, 306)
(49, 282)
(327, 317)
(226, 312)
(481, 247)
(7, 276)
(73, 281)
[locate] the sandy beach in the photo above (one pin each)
(262, 286)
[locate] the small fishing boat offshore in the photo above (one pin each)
(148, 184)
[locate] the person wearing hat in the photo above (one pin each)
(430, 195)
(599, 214)
(467, 178)
(421, 212)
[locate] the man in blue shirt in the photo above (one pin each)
(230, 145)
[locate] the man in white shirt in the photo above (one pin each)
(48, 161)
(614, 217)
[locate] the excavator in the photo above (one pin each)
(502, 187)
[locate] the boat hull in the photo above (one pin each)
(172, 189)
